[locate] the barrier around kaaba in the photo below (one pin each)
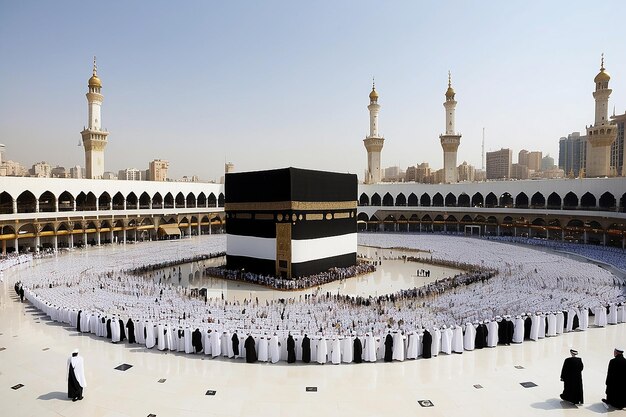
(290, 222)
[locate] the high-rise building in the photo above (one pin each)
(572, 154)
(59, 172)
(547, 163)
(2, 150)
(534, 161)
(419, 173)
(108, 175)
(394, 174)
(130, 174)
(466, 172)
(158, 170)
(77, 172)
(602, 134)
(373, 142)
(450, 140)
(617, 149)
(499, 164)
(519, 172)
(14, 169)
(522, 157)
(41, 170)
(94, 137)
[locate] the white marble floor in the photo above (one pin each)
(33, 352)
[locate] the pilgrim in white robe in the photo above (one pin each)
(492, 333)
(150, 340)
(274, 349)
(322, 350)
(336, 351)
(584, 319)
(215, 344)
(612, 316)
(411, 352)
(161, 336)
(469, 337)
(347, 349)
(551, 331)
(518, 330)
(457, 339)
(398, 346)
(188, 346)
(115, 330)
(263, 349)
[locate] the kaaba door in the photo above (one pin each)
(283, 250)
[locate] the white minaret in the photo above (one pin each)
(450, 140)
(373, 142)
(94, 137)
(602, 134)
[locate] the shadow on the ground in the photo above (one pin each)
(554, 404)
(54, 395)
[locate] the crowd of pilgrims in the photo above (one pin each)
(470, 311)
(333, 274)
(148, 268)
(607, 254)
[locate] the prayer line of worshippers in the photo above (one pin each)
(353, 347)
(552, 284)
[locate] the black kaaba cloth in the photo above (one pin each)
(290, 222)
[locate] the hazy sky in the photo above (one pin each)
(269, 84)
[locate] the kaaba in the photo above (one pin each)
(290, 222)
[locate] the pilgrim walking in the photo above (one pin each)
(572, 377)
(75, 377)
(616, 380)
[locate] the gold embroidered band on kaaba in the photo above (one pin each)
(291, 205)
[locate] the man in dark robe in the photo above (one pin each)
(575, 323)
(122, 331)
(108, 328)
(481, 336)
(131, 330)
(572, 377)
(196, 340)
(509, 331)
(250, 346)
(358, 351)
(306, 349)
(78, 320)
(75, 377)
(427, 341)
(616, 380)
(235, 341)
(388, 348)
(291, 349)
(528, 324)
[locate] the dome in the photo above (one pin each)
(94, 81)
(602, 76)
(373, 95)
(450, 92)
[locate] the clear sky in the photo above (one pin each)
(269, 84)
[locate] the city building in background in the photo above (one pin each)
(499, 164)
(157, 170)
(131, 174)
(617, 149)
(572, 154)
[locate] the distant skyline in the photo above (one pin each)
(273, 84)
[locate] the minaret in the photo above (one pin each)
(373, 142)
(94, 137)
(450, 140)
(602, 134)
